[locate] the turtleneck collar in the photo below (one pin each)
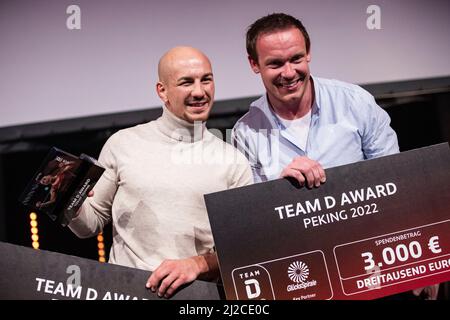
(179, 129)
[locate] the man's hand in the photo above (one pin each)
(427, 293)
(308, 172)
(171, 274)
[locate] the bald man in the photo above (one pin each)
(155, 178)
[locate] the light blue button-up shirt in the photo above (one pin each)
(346, 126)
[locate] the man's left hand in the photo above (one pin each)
(427, 293)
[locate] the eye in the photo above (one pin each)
(297, 58)
(185, 83)
(207, 78)
(274, 64)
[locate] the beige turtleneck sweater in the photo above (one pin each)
(152, 190)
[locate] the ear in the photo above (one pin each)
(253, 64)
(162, 92)
(308, 56)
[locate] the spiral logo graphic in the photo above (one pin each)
(298, 271)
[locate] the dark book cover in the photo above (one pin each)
(61, 185)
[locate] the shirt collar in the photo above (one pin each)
(178, 129)
(316, 104)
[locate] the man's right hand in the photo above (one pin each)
(171, 274)
(307, 171)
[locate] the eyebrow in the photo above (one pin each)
(187, 78)
(298, 56)
(279, 60)
(273, 61)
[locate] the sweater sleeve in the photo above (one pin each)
(242, 175)
(95, 212)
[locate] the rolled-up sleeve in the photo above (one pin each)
(379, 139)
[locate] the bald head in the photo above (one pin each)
(179, 56)
(186, 84)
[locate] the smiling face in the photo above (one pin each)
(186, 83)
(283, 62)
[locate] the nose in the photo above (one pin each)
(288, 71)
(198, 90)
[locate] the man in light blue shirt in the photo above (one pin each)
(304, 124)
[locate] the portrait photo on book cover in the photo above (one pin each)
(55, 179)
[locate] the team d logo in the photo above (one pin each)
(298, 272)
(253, 283)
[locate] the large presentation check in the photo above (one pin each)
(375, 228)
(28, 274)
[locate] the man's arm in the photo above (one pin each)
(305, 170)
(50, 201)
(95, 212)
(378, 138)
